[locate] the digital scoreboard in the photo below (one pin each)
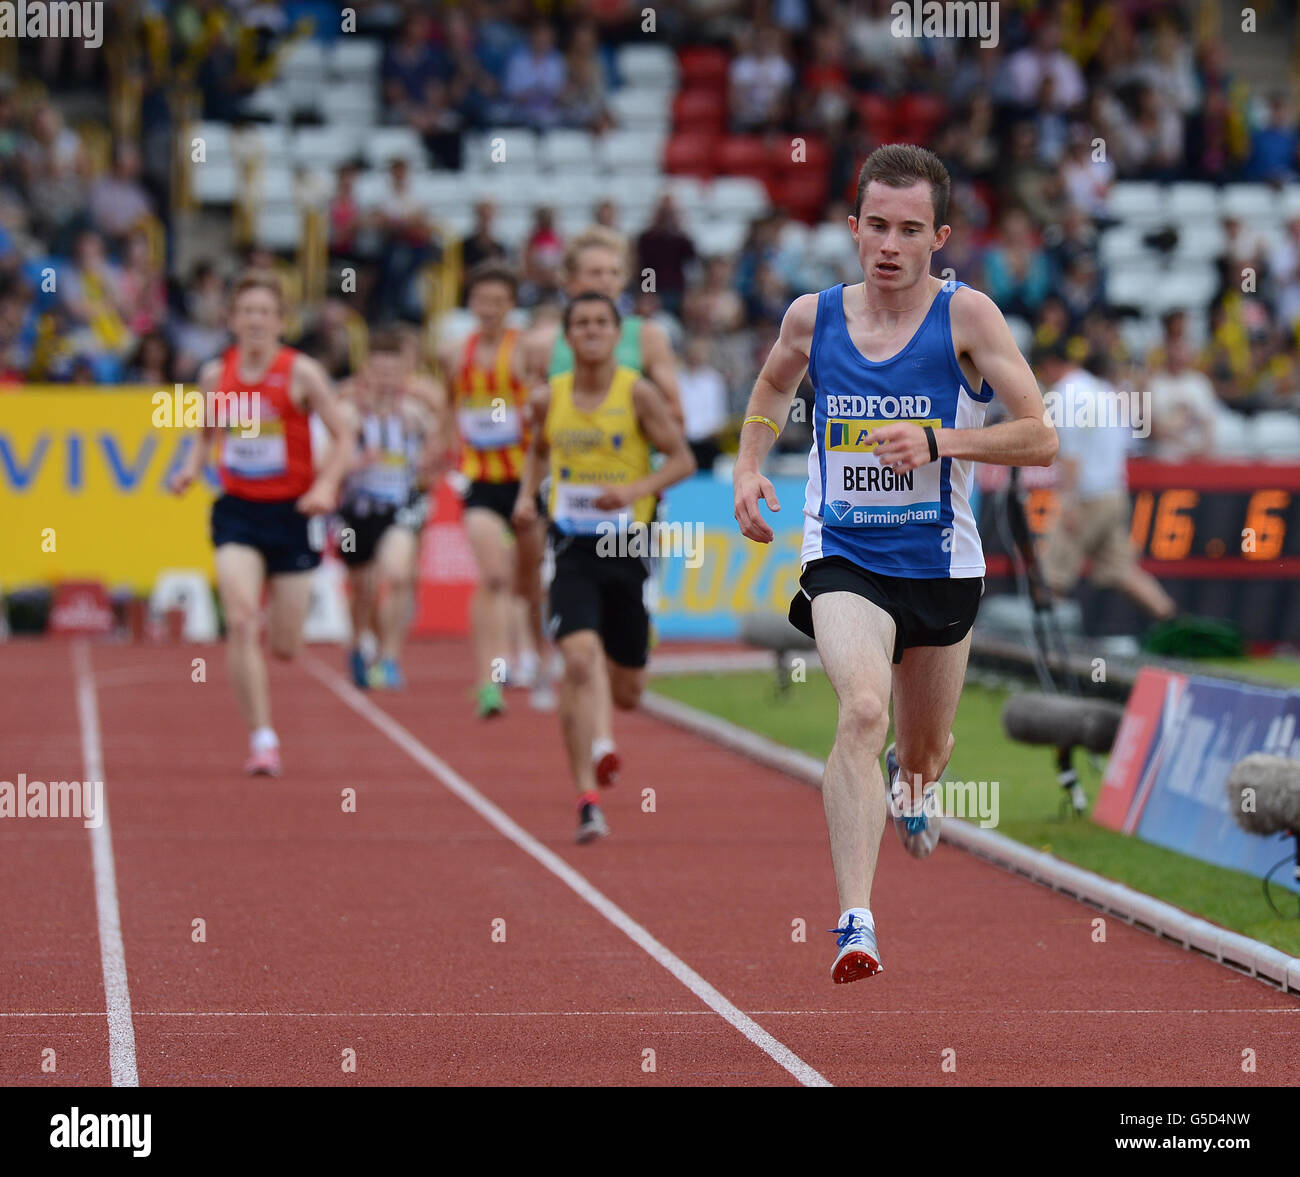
(1223, 539)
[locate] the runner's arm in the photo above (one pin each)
(536, 347)
(774, 391)
(430, 402)
(197, 458)
(980, 331)
(660, 367)
(538, 451)
(663, 432)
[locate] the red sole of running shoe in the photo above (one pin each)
(607, 768)
(856, 966)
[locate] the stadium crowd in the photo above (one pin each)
(1035, 131)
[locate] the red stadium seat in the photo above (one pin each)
(746, 155)
(919, 116)
(802, 193)
(692, 153)
(815, 154)
(698, 110)
(878, 115)
(703, 67)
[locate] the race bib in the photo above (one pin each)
(387, 480)
(263, 456)
(490, 428)
(576, 511)
(860, 492)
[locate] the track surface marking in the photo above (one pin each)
(370, 931)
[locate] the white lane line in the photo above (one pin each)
(455, 783)
(620, 1013)
(121, 1030)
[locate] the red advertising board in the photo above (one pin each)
(1140, 746)
(447, 571)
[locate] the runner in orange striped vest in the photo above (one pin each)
(489, 396)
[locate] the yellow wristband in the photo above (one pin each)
(772, 425)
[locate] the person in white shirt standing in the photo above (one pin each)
(1184, 407)
(1092, 487)
(704, 401)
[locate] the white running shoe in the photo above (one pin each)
(918, 827)
(859, 957)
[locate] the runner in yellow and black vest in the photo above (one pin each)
(597, 425)
(597, 260)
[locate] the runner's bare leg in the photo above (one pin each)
(855, 640)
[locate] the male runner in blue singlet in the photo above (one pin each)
(902, 366)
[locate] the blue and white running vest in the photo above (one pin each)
(916, 524)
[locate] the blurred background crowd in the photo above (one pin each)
(1120, 181)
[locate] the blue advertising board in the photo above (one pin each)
(1188, 809)
(723, 575)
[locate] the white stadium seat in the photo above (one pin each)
(648, 67)
(325, 146)
(631, 152)
(303, 59)
(512, 190)
(216, 140)
(1137, 201)
(1232, 438)
(1119, 243)
(564, 148)
(349, 104)
(441, 189)
(737, 196)
(1191, 200)
(1275, 435)
(1187, 284)
(687, 191)
(502, 147)
(633, 107)
(278, 225)
(356, 59)
(1288, 204)
(1199, 239)
(1250, 202)
(274, 102)
(1130, 288)
(714, 237)
(372, 187)
(457, 220)
(384, 144)
(214, 181)
(513, 227)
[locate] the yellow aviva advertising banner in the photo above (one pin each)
(83, 492)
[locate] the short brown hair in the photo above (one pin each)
(594, 237)
(492, 271)
(900, 165)
(259, 280)
(385, 341)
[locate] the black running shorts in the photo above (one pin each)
(937, 612)
(286, 538)
(602, 593)
(495, 496)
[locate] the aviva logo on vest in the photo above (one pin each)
(855, 435)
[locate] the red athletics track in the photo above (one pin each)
(372, 931)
